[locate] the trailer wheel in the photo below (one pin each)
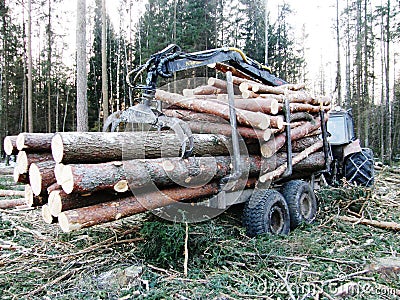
(359, 167)
(266, 212)
(301, 201)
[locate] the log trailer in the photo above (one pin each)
(277, 205)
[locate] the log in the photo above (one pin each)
(260, 88)
(32, 200)
(203, 90)
(60, 201)
(11, 203)
(293, 87)
(222, 85)
(46, 215)
(304, 107)
(11, 193)
(302, 143)
(76, 219)
(238, 76)
(225, 129)
(267, 106)
(96, 147)
(10, 145)
(41, 176)
(89, 178)
(54, 187)
(20, 178)
(244, 117)
(34, 142)
(272, 146)
(379, 224)
(299, 97)
(270, 176)
(24, 160)
(188, 115)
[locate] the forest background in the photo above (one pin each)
(39, 86)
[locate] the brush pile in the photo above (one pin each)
(81, 179)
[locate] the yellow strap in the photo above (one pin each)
(244, 57)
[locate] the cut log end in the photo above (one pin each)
(58, 169)
(8, 145)
(54, 203)
(65, 225)
(57, 148)
(35, 179)
(121, 186)
(22, 162)
(47, 216)
(28, 195)
(67, 179)
(20, 143)
(267, 151)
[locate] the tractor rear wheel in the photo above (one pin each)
(301, 201)
(266, 212)
(359, 168)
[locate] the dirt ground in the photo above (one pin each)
(143, 257)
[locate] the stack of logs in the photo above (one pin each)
(81, 179)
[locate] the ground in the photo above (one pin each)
(143, 257)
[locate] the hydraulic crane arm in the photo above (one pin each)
(171, 59)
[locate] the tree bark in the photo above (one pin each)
(244, 117)
(194, 171)
(90, 147)
(378, 224)
(203, 90)
(104, 74)
(267, 106)
(41, 176)
(34, 142)
(30, 67)
(81, 76)
(189, 115)
(10, 145)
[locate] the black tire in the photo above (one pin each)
(359, 168)
(301, 201)
(266, 212)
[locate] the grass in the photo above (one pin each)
(313, 261)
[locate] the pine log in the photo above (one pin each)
(11, 203)
(203, 90)
(188, 115)
(34, 142)
(273, 145)
(303, 143)
(297, 97)
(304, 107)
(10, 145)
(270, 176)
(95, 147)
(293, 87)
(24, 160)
(225, 129)
(76, 219)
(33, 201)
(20, 178)
(88, 178)
(10, 193)
(60, 201)
(41, 176)
(244, 117)
(54, 187)
(46, 215)
(222, 85)
(238, 76)
(267, 106)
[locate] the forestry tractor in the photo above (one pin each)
(273, 207)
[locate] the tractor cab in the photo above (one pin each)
(340, 127)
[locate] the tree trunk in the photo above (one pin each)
(10, 145)
(32, 200)
(194, 171)
(188, 115)
(81, 76)
(104, 74)
(10, 193)
(41, 176)
(93, 147)
(34, 142)
(29, 53)
(267, 106)
(203, 90)
(244, 117)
